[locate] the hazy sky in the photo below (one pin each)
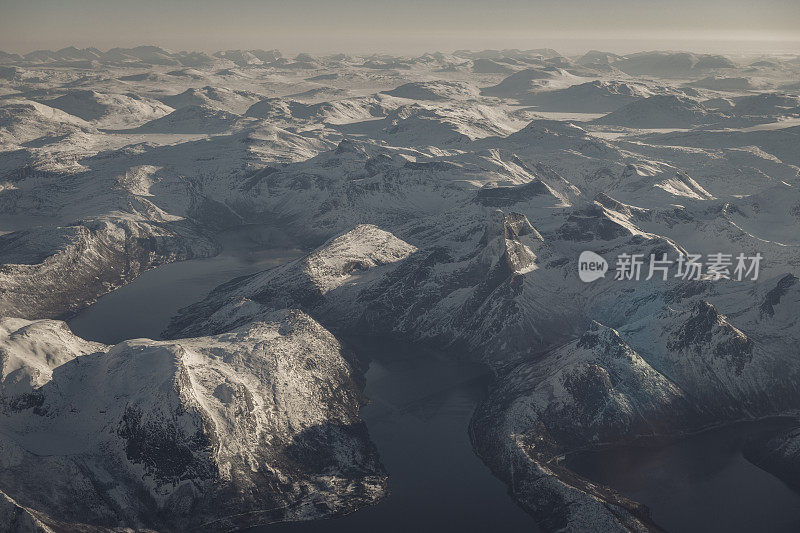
(410, 26)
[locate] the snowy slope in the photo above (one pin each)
(109, 110)
(25, 120)
(204, 434)
(661, 111)
(220, 98)
(435, 90)
(198, 119)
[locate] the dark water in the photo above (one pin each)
(701, 483)
(420, 405)
(143, 307)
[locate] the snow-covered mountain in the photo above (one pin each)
(590, 97)
(435, 90)
(672, 64)
(442, 199)
(256, 426)
(198, 119)
(524, 85)
(220, 98)
(22, 121)
(109, 110)
(660, 111)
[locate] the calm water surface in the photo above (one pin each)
(142, 308)
(701, 483)
(420, 405)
